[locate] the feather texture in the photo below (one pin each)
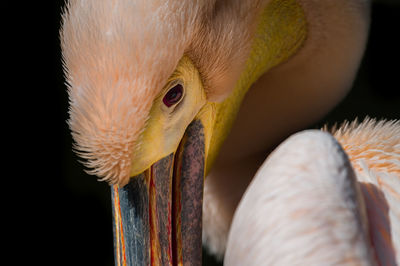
(118, 55)
(303, 207)
(314, 202)
(374, 151)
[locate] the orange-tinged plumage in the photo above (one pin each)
(116, 73)
(373, 148)
(373, 144)
(118, 55)
(323, 199)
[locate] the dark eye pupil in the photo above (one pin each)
(173, 95)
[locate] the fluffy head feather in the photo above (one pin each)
(119, 54)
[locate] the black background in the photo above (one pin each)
(64, 217)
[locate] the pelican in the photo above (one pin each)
(178, 105)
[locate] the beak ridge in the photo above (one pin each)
(157, 216)
(130, 219)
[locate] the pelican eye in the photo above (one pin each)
(174, 95)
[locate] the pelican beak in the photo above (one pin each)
(157, 216)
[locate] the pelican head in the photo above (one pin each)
(154, 87)
(139, 74)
